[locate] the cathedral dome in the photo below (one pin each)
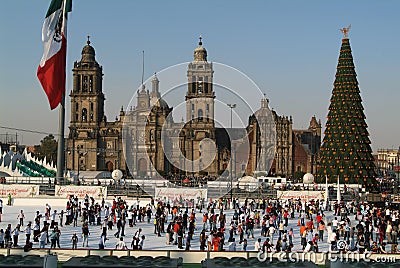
(161, 103)
(88, 53)
(200, 53)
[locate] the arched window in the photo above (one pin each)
(84, 115)
(91, 83)
(85, 84)
(76, 111)
(200, 114)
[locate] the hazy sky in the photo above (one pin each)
(289, 49)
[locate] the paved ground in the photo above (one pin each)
(152, 241)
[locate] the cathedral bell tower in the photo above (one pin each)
(200, 114)
(87, 111)
(87, 98)
(200, 95)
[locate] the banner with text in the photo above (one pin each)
(18, 190)
(97, 192)
(303, 195)
(180, 194)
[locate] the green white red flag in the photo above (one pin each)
(51, 70)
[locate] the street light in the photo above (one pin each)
(79, 160)
(231, 106)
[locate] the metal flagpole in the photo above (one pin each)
(60, 146)
(61, 122)
(326, 193)
(338, 197)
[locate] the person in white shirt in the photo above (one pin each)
(53, 218)
(257, 246)
(333, 239)
(21, 217)
(141, 243)
(232, 246)
(121, 244)
(28, 231)
(271, 232)
(42, 238)
(389, 232)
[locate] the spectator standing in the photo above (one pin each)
(28, 232)
(21, 217)
(121, 244)
(1, 208)
(1, 238)
(74, 241)
(102, 241)
(257, 245)
(244, 244)
(85, 234)
(141, 243)
(42, 238)
(15, 233)
(53, 238)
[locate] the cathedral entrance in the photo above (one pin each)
(142, 167)
(110, 166)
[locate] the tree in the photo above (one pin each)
(47, 148)
(346, 152)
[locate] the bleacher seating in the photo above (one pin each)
(28, 261)
(123, 262)
(236, 262)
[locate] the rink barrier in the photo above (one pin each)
(193, 256)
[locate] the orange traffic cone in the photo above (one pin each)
(298, 222)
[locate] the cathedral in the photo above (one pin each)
(146, 141)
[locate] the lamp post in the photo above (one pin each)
(79, 160)
(231, 106)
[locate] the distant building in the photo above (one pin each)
(388, 162)
(306, 148)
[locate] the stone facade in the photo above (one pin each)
(155, 144)
(306, 148)
(93, 143)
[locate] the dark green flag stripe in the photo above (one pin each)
(56, 5)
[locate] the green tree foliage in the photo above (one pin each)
(47, 148)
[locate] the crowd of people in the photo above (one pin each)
(215, 225)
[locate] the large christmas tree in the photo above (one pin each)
(346, 150)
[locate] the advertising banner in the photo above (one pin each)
(97, 192)
(303, 195)
(19, 190)
(179, 194)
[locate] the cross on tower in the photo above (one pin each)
(88, 39)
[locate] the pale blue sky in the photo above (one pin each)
(289, 48)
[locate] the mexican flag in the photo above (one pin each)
(51, 70)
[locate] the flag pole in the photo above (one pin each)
(60, 145)
(61, 115)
